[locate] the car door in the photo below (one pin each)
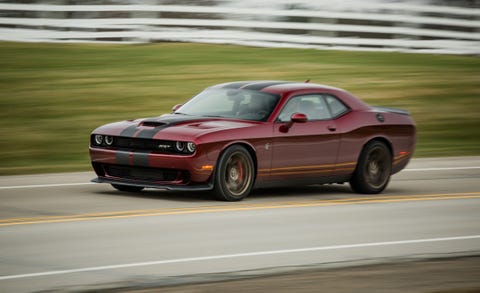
(306, 149)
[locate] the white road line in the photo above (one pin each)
(442, 169)
(88, 183)
(237, 255)
(45, 185)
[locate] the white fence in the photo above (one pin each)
(360, 25)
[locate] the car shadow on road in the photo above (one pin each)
(309, 190)
(194, 196)
(263, 193)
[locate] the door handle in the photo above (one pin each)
(331, 127)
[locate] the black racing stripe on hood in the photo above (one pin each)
(129, 131)
(161, 123)
(173, 119)
(258, 86)
(150, 133)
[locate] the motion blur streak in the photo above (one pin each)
(235, 207)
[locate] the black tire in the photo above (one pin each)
(373, 170)
(234, 175)
(127, 188)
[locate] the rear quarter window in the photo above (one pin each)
(337, 107)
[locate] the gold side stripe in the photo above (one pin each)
(310, 171)
(400, 157)
(308, 167)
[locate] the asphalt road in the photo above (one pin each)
(58, 232)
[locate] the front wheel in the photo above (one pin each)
(234, 175)
(127, 188)
(373, 169)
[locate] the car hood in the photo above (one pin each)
(172, 127)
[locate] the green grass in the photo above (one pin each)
(52, 96)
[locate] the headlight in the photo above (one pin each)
(180, 146)
(98, 139)
(185, 147)
(191, 147)
(109, 140)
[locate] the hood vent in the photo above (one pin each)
(152, 123)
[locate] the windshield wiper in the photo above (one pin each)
(215, 116)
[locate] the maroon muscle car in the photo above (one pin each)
(236, 136)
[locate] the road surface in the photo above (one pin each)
(59, 232)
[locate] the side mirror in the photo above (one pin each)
(295, 118)
(176, 107)
(298, 118)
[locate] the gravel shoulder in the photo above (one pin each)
(457, 275)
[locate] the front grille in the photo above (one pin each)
(146, 174)
(129, 143)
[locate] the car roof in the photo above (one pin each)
(273, 86)
(288, 87)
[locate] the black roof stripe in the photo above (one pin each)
(235, 85)
(258, 86)
(252, 85)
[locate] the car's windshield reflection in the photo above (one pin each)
(228, 103)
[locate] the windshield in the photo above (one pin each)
(231, 103)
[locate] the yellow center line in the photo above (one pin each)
(235, 207)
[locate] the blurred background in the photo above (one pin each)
(68, 66)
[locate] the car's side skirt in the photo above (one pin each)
(302, 181)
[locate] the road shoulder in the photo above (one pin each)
(456, 274)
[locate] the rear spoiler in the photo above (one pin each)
(392, 110)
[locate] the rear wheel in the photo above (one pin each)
(234, 175)
(127, 188)
(373, 169)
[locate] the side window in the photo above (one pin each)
(336, 107)
(314, 106)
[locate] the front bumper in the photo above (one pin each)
(151, 169)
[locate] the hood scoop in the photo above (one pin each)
(150, 123)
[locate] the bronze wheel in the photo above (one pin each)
(234, 175)
(373, 169)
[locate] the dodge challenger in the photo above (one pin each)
(236, 136)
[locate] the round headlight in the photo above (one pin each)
(98, 139)
(108, 140)
(191, 147)
(180, 146)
